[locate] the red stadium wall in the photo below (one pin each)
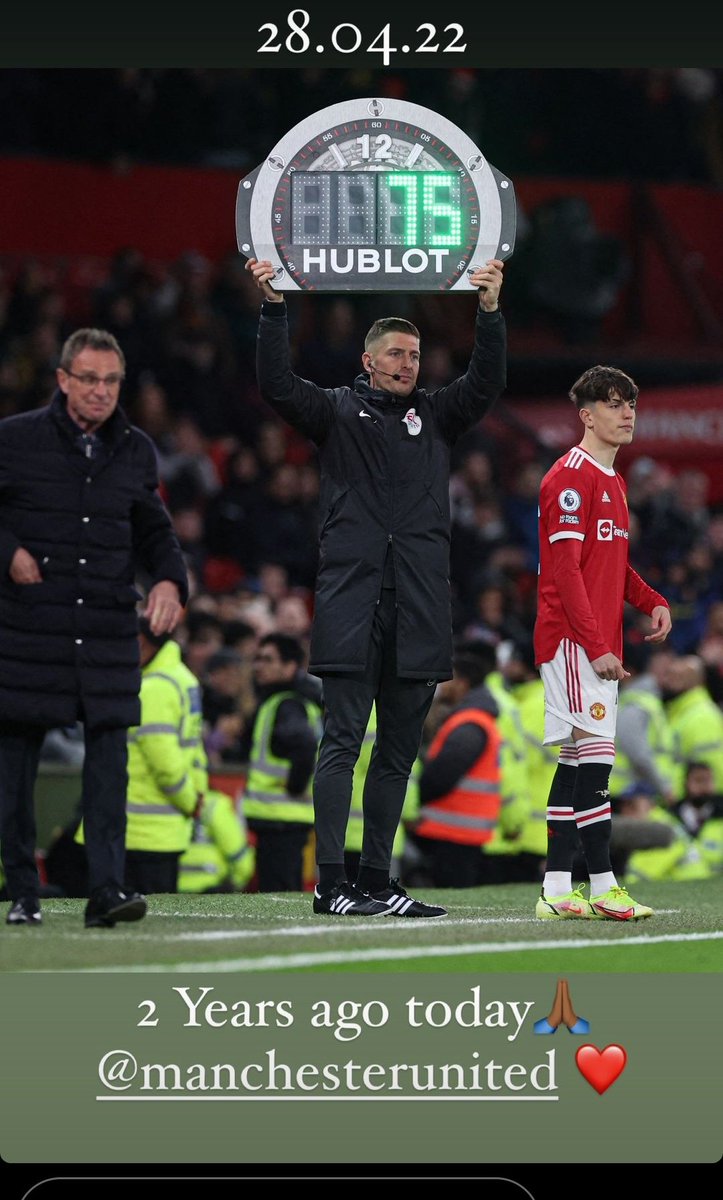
(68, 208)
(679, 427)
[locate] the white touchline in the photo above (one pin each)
(278, 962)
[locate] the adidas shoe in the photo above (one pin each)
(617, 905)
(347, 900)
(400, 904)
(556, 908)
(25, 911)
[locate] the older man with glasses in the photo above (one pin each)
(80, 515)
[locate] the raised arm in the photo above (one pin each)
(465, 401)
(301, 403)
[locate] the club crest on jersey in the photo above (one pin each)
(569, 500)
(412, 422)
(597, 711)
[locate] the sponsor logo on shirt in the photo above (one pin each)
(606, 499)
(607, 530)
(569, 500)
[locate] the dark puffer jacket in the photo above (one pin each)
(68, 645)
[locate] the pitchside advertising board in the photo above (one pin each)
(375, 195)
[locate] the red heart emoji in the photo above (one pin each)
(601, 1067)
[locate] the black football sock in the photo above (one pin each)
(330, 874)
(562, 835)
(372, 879)
(591, 800)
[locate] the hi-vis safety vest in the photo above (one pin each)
(469, 813)
(681, 860)
(515, 801)
(167, 764)
(697, 726)
(660, 740)
(220, 851)
(265, 796)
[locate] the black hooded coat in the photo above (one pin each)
(385, 464)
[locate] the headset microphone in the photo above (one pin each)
(378, 372)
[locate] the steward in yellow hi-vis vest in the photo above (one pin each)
(518, 855)
(167, 767)
(696, 721)
(514, 779)
(220, 857)
(644, 746)
(459, 788)
(282, 744)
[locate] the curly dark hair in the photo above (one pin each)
(602, 383)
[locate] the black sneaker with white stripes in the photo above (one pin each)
(400, 904)
(25, 911)
(347, 900)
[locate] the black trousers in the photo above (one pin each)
(280, 849)
(104, 786)
(402, 706)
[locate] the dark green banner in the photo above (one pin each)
(433, 1069)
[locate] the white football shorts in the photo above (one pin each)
(576, 697)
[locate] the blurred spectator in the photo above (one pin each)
(220, 857)
(644, 751)
(203, 637)
(695, 719)
(270, 445)
(471, 481)
(698, 798)
(483, 532)
(231, 514)
(283, 534)
(331, 354)
(710, 649)
(293, 618)
(282, 741)
(227, 698)
(648, 842)
(493, 619)
(273, 580)
(151, 411)
(520, 511)
(240, 636)
(188, 524)
(188, 472)
(459, 785)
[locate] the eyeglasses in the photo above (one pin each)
(90, 380)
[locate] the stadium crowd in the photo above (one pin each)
(655, 123)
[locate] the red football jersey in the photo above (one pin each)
(582, 500)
